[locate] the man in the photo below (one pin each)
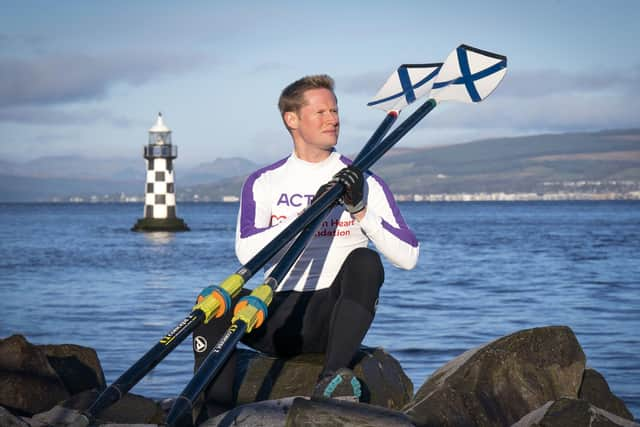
(327, 301)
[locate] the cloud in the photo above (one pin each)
(31, 42)
(60, 117)
(538, 83)
(73, 77)
(366, 84)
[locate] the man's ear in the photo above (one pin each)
(291, 119)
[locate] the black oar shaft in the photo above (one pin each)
(146, 363)
(293, 253)
(382, 130)
(372, 156)
(208, 370)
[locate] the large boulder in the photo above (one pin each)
(78, 367)
(267, 413)
(500, 382)
(7, 419)
(34, 378)
(595, 390)
(131, 409)
(267, 378)
(330, 412)
(567, 412)
(299, 411)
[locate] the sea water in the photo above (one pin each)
(75, 273)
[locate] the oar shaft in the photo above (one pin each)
(293, 253)
(379, 133)
(372, 156)
(146, 363)
(320, 205)
(208, 370)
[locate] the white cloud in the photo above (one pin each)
(73, 77)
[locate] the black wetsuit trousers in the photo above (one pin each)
(332, 321)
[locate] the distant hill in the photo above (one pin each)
(599, 161)
(531, 164)
(219, 169)
(520, 164)
(62, 177)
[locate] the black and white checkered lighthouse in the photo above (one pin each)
(160, 195)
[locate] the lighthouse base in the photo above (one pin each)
(160, 224)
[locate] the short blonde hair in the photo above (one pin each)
(292, 96)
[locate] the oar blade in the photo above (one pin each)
(408, 83)
(469, 75)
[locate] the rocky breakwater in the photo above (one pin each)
(534, 377)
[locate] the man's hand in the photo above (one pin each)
(353, 181)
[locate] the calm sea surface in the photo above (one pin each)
(76, 274)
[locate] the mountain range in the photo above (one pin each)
(597, 161)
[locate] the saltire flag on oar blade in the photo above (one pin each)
(469, 75)
(405, 85)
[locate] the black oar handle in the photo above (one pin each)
(207, 371)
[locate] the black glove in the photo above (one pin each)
(324, 188)
(353, 181)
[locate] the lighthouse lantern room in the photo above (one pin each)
(160, 194)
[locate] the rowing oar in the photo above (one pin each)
(251, 311)
(218, 298)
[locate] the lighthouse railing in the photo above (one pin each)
(161, 151)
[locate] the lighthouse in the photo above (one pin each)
(160, 192)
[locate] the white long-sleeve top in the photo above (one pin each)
(273, 196)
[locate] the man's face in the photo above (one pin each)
(316, 123)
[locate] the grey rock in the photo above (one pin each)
(595, 390)
(131, 409)
(7, 419)
(260, 414)
(28, 383)
(301, 411)
(567, 412)
(262, 377)
(78, 367)
(33, 378)
(332, 412)
(500, 382)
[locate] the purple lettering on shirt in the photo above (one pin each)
(295, 196)
(283, 200)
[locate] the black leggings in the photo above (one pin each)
(332, 321)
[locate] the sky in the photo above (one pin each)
(89, 78)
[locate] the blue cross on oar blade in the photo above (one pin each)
(405, 85)
(473, 86)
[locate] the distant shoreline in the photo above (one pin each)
(401, 198)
